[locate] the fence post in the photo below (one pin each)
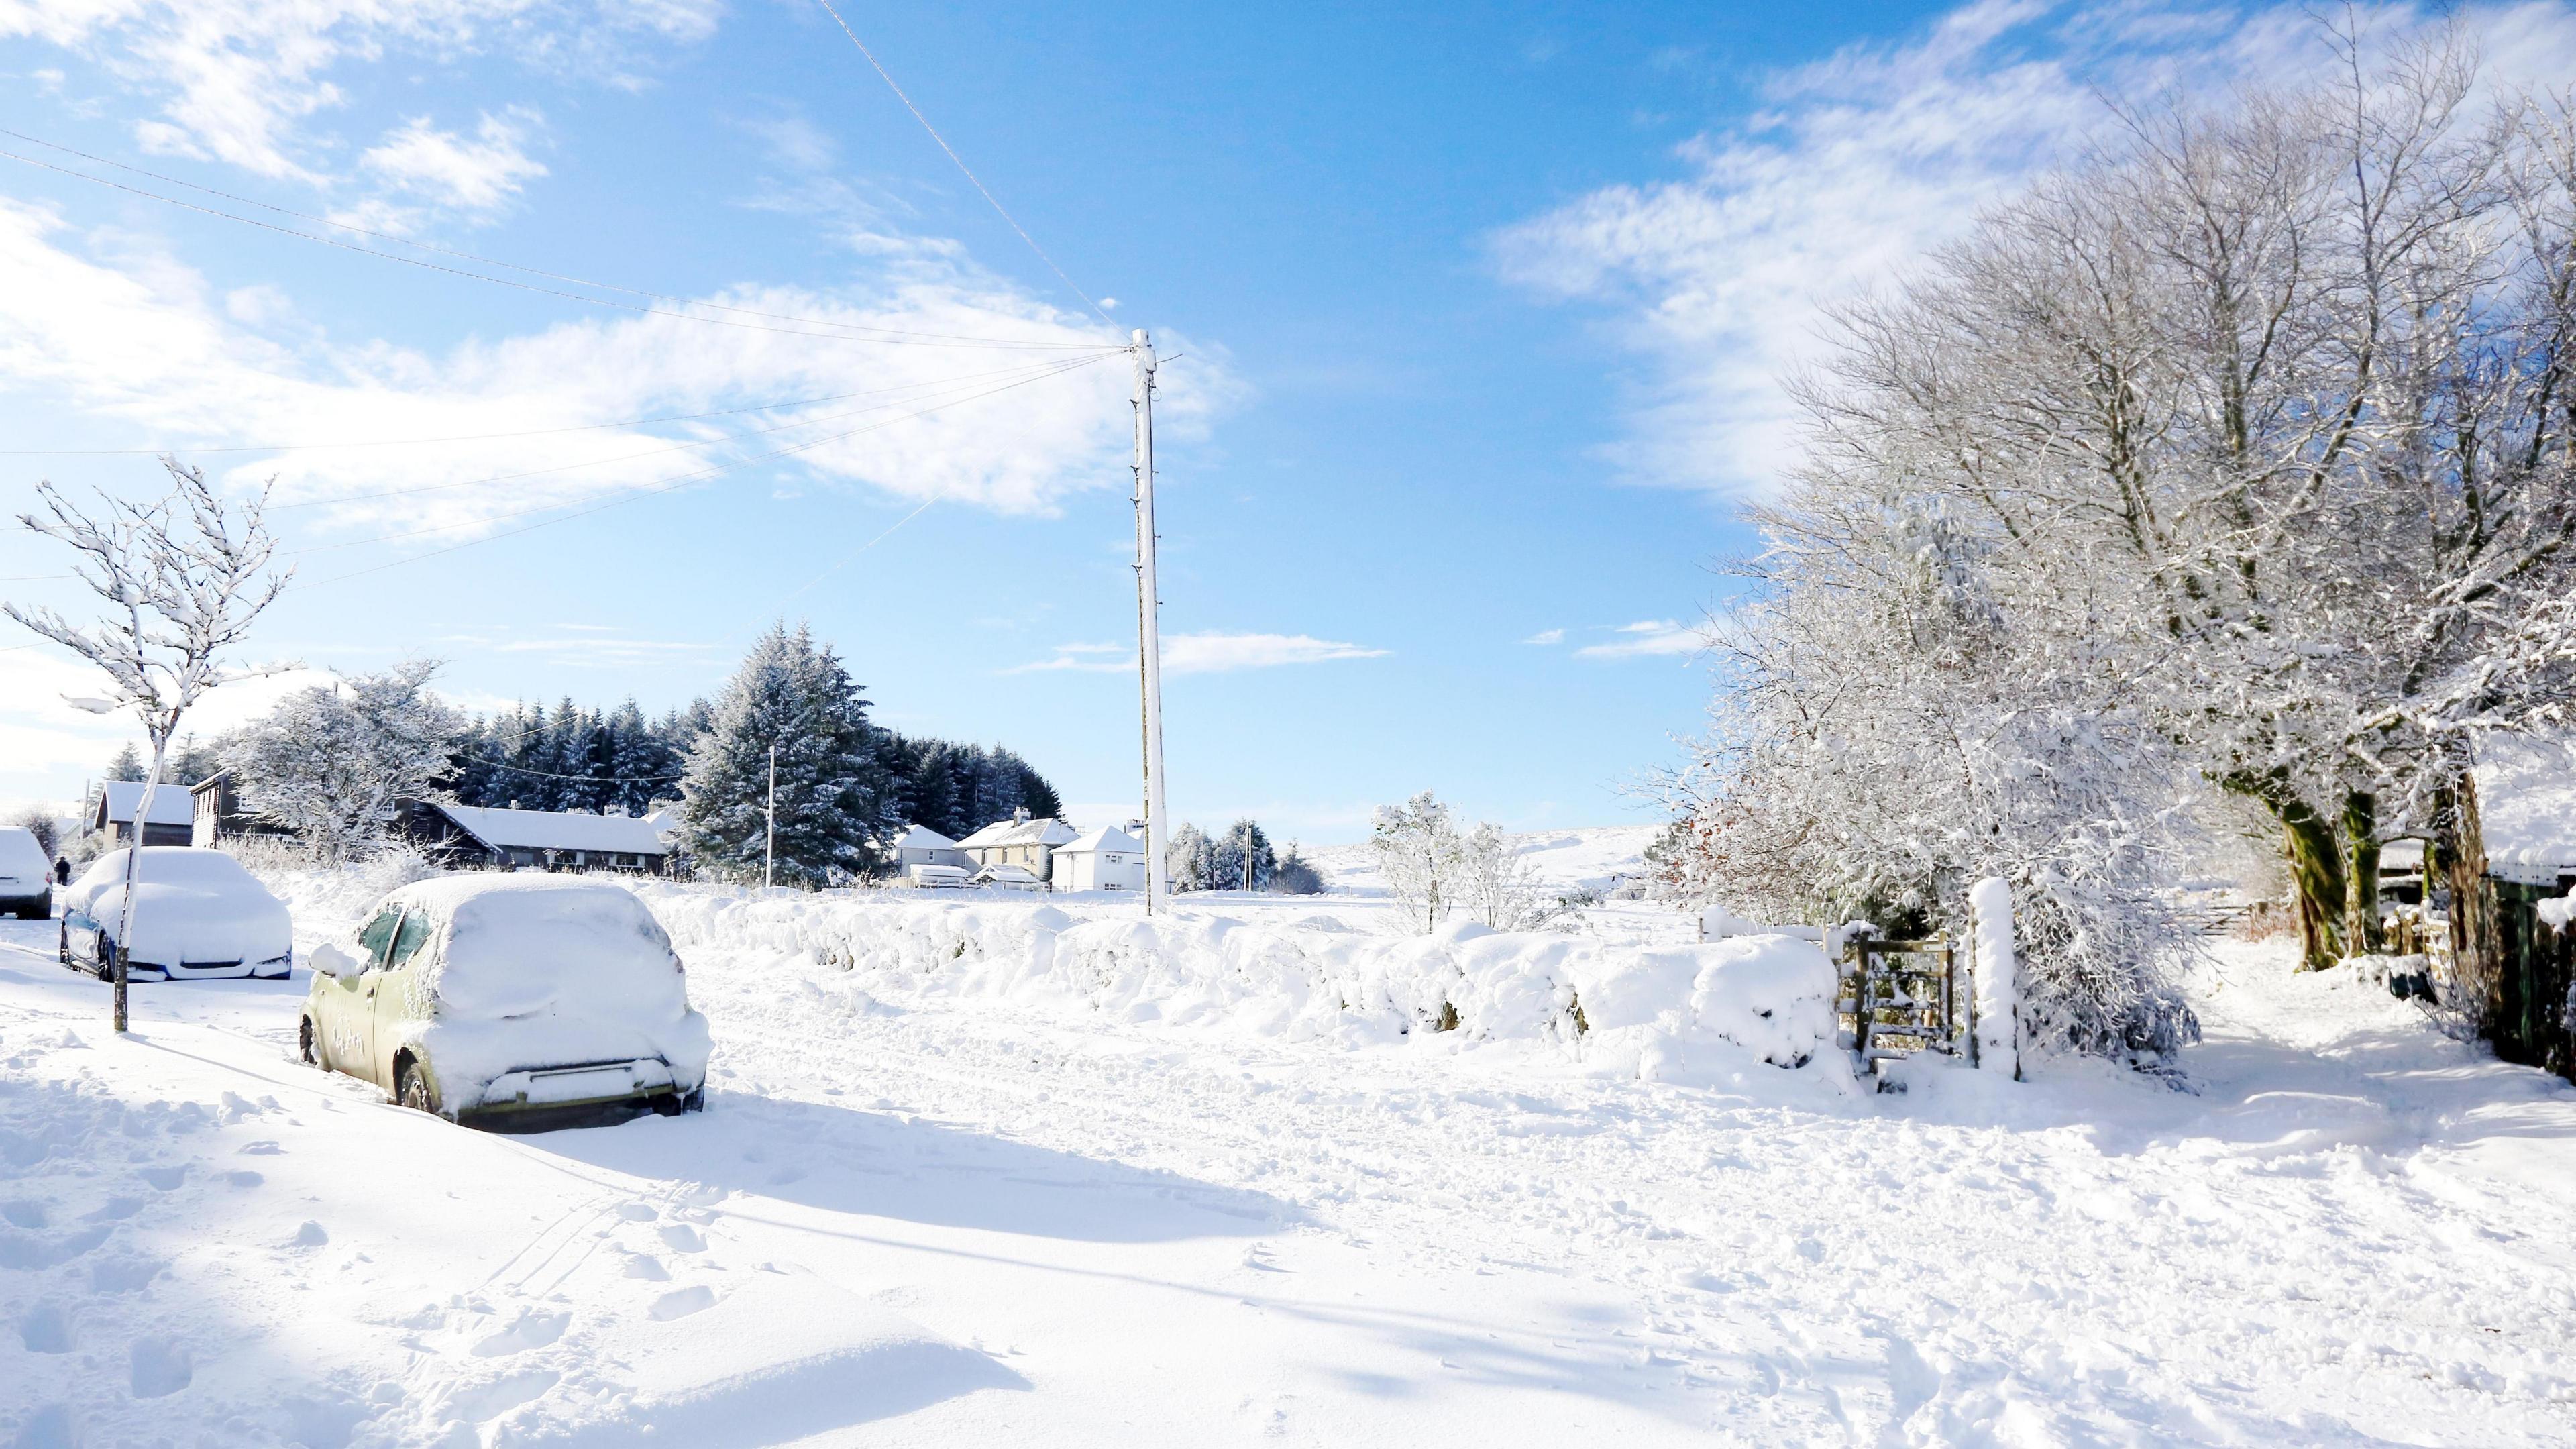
(1998, 977)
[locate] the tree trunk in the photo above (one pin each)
(2361, 873)
(2316, 864)
(2459, 843)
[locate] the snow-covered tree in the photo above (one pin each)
(181, 579)
(328, 764)
(1186, 861)
(1241, 859)
(1497, 885)
(1296, 875)
(836, 800)
(2236, 455)
(127, 767)
(1420, 858)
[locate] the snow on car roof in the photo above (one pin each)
(518, 944)
(561, 830)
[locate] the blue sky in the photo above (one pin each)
(1483, 311)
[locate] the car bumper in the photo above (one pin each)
(277, 969)
(590, 1095)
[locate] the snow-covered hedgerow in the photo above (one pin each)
(1665, 1013)
(1676, 1013)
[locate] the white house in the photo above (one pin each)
(174, 813)
(1019, 841)
(1106, 859)
(924, 857)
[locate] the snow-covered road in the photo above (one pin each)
(939, 1221)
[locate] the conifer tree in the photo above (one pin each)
(835, 801)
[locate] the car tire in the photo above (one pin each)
(307, 1050)
(103, 958)
(64, 951)
(413, 1091)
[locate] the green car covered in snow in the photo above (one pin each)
(514, 1002)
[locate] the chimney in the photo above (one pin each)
(1020, 816)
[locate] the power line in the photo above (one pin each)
(847, 335)
(504, 437)
(961, 161)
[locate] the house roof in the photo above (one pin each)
(171, 804)
(922, 837)
(1007, 875)
(1106, 837)
(2527, 804)
(558, 829)
(1049, 831)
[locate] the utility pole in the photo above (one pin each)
(1149, 636)
(769, 857)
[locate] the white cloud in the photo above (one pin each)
(476, 175)
(237, 76)
(121, 331)
(1205, 653)
(1546, 636)
(1860, 164)
(1645, 637)
(44, 741)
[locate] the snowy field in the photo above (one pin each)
(1113, 1197)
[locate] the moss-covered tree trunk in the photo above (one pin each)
(2316, 865)
(2459, 848)
(2361, 872)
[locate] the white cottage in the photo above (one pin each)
(1106, 859)
(1020, 842)
(924, 857)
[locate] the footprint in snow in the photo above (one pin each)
(309, 1236)
(260, 1149)
(647, 1267)
(681, 1302)
(167, 1179)
(532, 1329)
(683, 1238)
(24, 1214)
(158, 1367)
(637, 1212)
(47, 1328)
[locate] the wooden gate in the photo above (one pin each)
(1902, 997)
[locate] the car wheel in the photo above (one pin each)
(413, 1091)
(65, 950)
(305, 1050)
(104, 964)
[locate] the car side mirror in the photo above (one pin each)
(331, 960)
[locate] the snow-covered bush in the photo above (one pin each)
(328, 763)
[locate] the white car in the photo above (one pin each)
(197, 913)
(26, 877)
(513, 1002)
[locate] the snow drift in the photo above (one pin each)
(1668, 1013)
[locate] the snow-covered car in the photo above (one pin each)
(26, 877)
(514, 1002)
(197, 913)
